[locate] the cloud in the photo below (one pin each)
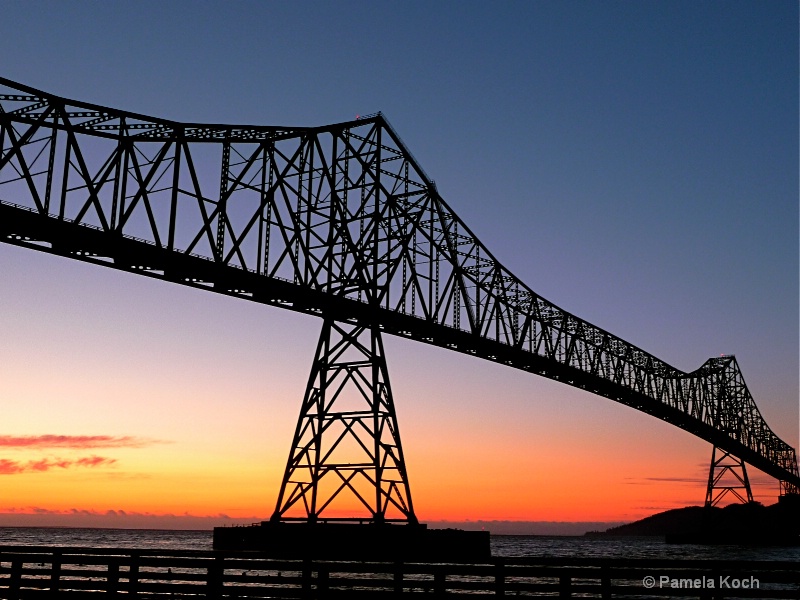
(35, 516)
(10, 467)
(74, 441)
(756, 479)
(677, 479)
(44, 464)
(94, 461)
(15, 467)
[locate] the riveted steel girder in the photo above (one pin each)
(337, 221)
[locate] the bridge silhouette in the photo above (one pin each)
(340, 222)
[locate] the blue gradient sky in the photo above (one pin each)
(634, 162)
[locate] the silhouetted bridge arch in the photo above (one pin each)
(337, 221)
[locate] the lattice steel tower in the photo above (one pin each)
(347, 442)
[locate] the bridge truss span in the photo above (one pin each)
(338, 221)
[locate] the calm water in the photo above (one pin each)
(503, 545)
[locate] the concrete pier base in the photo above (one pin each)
(354, 541)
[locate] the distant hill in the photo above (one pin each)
(659, 524)
(751, 523)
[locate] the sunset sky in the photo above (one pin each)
(634, 163)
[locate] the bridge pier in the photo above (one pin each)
(727, 475)
(346, 454)
(346, 449)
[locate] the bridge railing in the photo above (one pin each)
(37, 572)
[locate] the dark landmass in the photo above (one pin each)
(750, 524)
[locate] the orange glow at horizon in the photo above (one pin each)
(198, 421)
(451, 484)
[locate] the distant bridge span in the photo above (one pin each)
(337, 221)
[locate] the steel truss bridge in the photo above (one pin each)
(341, 222)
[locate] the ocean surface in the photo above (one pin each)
(502, 545)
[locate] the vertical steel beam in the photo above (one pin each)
(173, 204)
(223, 200)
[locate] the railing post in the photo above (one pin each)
(398, 578)
(716, 593)
(133, 576)
(605, 583)
(322, 582)
(499, 579)
(216, 571)
(55, 573)
(16, 576)
(112, 579)
(439, 582)
(564, 586)
(306, 578)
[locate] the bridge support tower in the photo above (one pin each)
(346, 453)
(345, 492)
(727, 475)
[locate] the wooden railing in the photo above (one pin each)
(48, 572)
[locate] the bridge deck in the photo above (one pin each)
(338, 220)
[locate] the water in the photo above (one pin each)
(632, 547)
(151, 539)
(502, 545)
